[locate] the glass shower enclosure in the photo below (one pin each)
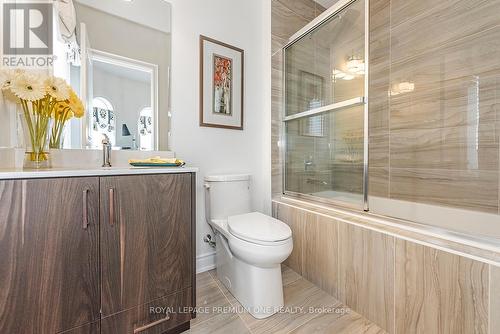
(325, 121)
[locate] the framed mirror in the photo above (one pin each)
(116, 54)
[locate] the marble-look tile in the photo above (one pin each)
(402, 229)
(296, 220)
(277, 43)
(303, 8)
(458, 148)
(220, 324)
(366, 273)
(351, 323)
(469, 55)
(307, 309)
(208, 298)
(379, 35)
(403, 10)
(454, 21)
(348, 177)
(288, 275)
(276, 179)
(276, 84)
(438, 292)
(284, 22)
(321, 253)
(379, 14)
(468, 101)
(379, 80)
(471, 190)
(379, 114)
(378, 182)
(277, 61)
(494, 300)
(379, 149)
(302, 300)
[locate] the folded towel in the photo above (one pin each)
(156, 160)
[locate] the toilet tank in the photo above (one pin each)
(227, 195)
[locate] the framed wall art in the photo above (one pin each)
(221, 84)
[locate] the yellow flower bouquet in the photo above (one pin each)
(44, 99)
(63, 112)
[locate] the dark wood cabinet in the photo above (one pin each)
(90, 255)
(145, 233)
(92, 328)
(156, 317)
(49, 263)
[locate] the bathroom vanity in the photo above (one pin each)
(97, 251)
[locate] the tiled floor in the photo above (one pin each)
(307, 310)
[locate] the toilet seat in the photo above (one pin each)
(259, 229)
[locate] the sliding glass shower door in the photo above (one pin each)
(325, 109)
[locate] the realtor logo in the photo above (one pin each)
(27, 29)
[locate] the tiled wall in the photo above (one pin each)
(438, 144)
(288, 16)
(402, 286)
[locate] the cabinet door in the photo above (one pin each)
(146, 245)
(157, 317)
(93, 328)
(49, 255)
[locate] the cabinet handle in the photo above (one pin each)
(153, 324)
(85, 209)
(111, 206)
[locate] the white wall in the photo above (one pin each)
(245, 24)
(128, 97)
(145, 12)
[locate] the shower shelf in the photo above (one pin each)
(329, 108)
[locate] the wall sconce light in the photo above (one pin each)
(402, 88)
(356, 65)
(337, 74)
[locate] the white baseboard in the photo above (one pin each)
(205, 262)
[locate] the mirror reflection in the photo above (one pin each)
(117, 55)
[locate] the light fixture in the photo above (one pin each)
(402, 88)
(406, 87)
(348, 77)
(356, 65)
(337, 74)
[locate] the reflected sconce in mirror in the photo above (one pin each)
(337, 75)
(356, 65)
(402, 88)
(340, 75)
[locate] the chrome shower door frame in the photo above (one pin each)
(313, 25)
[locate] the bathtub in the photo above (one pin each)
(440, 219)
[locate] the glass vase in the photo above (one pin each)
(57, 135)
(36, 132)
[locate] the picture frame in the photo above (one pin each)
(221, 84)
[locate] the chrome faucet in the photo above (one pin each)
(106, 151)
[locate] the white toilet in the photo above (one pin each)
(250, 246)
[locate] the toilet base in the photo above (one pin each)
(259, 290)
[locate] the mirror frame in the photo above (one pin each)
(117, 60)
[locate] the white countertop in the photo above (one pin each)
(12, 173)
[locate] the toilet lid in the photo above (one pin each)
(257, 227)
